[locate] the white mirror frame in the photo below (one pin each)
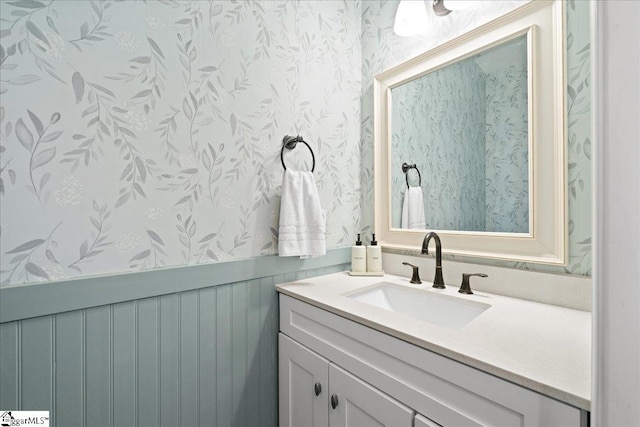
(543, 22)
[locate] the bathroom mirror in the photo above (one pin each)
(465, 128)
(478, 124)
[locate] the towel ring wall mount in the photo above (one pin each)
(289, 142)
(406, 167)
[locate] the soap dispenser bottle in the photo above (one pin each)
(358, 257)
(374, 257)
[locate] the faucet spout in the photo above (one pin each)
(438, 280)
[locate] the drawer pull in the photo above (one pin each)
(317, 388)
(334, 401)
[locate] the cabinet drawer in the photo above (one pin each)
(449, 392)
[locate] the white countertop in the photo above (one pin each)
(542, 347)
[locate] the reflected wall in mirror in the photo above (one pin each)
(465, 127)
(482, 118)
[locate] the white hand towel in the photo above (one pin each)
(413, 209)
(302, 219)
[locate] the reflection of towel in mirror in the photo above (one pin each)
(413, 209)
(302, 219)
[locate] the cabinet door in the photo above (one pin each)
(302, 374)
(355, 403)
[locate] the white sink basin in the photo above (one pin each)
(432, 307)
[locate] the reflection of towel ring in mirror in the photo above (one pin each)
(289, 142)
(405, 169)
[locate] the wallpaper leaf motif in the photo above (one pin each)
(35, 31)
(26, 246)
(149, 72)
(34, 270)
(579, 136)
(22, 263)
(32, 40)
(205, 245)
(24, 135)
(167, 127)
(157, 141)
(100, 241)
(98, 30)
(38, 157)
(78, 86)
(156, 248)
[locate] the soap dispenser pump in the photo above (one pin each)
(358, 257)
(374, 256)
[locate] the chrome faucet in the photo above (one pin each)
(438, 281)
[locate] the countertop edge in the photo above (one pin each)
(531, 384)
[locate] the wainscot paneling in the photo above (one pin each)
(201, 355)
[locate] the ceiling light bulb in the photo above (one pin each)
(411, 18)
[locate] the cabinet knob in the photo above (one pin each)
(334, 401)
(317, 388)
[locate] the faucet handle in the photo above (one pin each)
(465, 288)
(416, 276)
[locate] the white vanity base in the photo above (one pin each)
(376, 377)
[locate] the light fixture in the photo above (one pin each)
(443, 8)
(411, 18)
(439, 9)
(411, 15)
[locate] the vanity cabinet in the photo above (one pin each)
(377, 376)
(314, 392)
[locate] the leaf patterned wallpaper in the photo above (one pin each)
(141, 134)
(507, 139)
(470, 144)
(439, 123)
(382, 49)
